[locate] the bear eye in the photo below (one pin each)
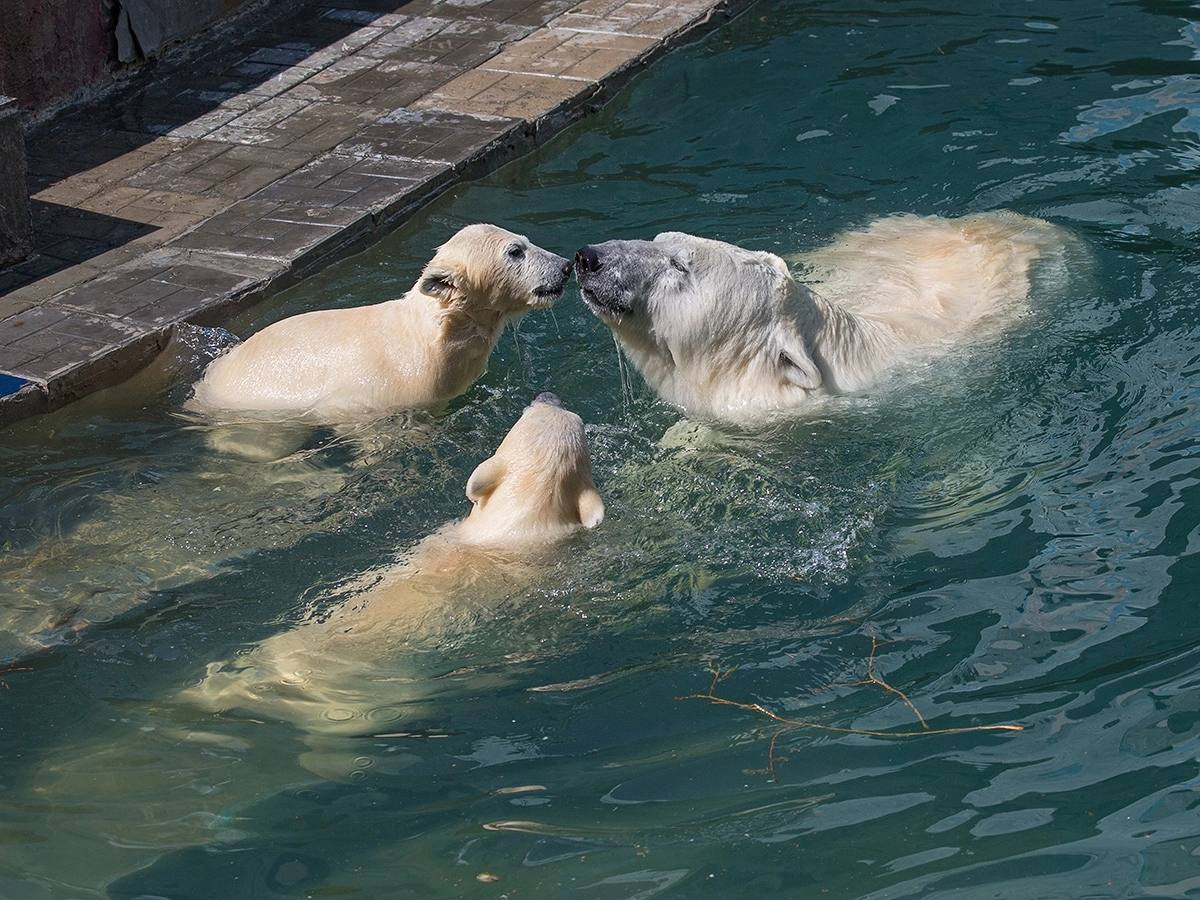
(678, 266)
(516, 251)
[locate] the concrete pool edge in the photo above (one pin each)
(101, 331)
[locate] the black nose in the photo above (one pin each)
(588, 259)
(566, 270)
(548, 397)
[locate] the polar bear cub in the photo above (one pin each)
(729, 334)
(332, 676)
(345, 365)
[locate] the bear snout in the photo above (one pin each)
(587, 259)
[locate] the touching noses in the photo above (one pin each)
(587, 259)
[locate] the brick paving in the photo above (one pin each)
(201, 186)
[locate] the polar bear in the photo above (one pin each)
(346, 365)
(337, 675)
(728, 334)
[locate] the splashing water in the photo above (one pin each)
(626, 380)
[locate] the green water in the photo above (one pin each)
(1019, 524)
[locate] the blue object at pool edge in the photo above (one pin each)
(10, 384)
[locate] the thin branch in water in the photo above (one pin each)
(874, 679)
(789, 724)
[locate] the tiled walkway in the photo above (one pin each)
(208, 182)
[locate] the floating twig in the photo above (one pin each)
(789, 724)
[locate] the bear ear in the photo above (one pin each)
(485, 479)
(438, 282)
(776, 263)
(796, 365)
(591, 508)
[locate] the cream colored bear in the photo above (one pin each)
(728, 334)
(338, 675)
(346, 365)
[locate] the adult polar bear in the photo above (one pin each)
(334, 676)
(729, 334)
(339, 366)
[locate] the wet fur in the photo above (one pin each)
(730, 334)
(326, 675)
(346, 365)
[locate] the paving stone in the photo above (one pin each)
(113, 299)
(319, 171)
(583, 56)
(201, 125)
(540, 13)
(71, 148)
(80, 366)
(53, 221)
(183, 160)
(287, 54)
(313, 127)
(71, 191)
(269, 113)
(177, 201)
(232, 244)
(331, 216)
(214, 178)
(247, 181)
(287, 238)
(435, 136)
(67, 350)
(121, 166)
(364, 17)
(405, 34)
(112, 199)
(75, 249)
(501, 94)
(11, 305)
(273, 156)
(175, 287)
(632, 17)
(367, 191)
(342, 70)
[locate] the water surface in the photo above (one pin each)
(1016, 528)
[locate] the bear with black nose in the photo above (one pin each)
(729, 334)
(337, 366)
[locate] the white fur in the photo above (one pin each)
(328, 675)
(729, 334)
(345, 365)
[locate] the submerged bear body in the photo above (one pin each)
(729, 334)
(327, 674)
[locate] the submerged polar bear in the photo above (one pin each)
(344, 365)
(729, 334)
(332, 676)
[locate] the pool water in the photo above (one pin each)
(1005, 536)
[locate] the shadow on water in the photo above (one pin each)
(217, 77)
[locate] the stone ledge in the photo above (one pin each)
(285, 181)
